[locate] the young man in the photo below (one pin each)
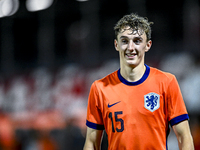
(137, 103)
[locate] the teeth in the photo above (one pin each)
(130, 54)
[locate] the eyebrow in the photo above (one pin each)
(123, 37)
(126, 37)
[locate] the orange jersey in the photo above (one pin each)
(136, 115)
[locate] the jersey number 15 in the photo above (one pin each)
(117, 119)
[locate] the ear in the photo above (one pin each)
(116, 45)
(148, 46)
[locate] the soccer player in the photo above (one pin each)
(137, 103)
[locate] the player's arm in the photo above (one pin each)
(93, 139)
(183, 135)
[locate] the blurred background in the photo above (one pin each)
(52, 50)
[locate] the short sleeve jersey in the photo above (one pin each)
(136, 115)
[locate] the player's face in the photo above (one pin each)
(132, 47)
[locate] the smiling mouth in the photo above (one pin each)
(130, 56)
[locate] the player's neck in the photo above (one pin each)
(133, 74)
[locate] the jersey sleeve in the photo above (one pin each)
(94, 115)
(176, 107)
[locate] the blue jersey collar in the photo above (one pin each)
(144, 77)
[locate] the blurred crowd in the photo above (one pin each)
(45, 109)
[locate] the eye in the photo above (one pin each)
(124, 41)
(137, 41)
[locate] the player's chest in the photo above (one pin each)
(134, 100)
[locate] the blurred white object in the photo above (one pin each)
(177, 64)
(8, 7)
(190, 87)
(37, 5)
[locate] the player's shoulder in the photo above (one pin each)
(162, 75)
(108, 79)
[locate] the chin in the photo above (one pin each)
(131, 63)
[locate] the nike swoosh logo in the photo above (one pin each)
(113, 104)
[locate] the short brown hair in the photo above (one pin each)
(136, 23)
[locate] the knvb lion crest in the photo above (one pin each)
(152, 101)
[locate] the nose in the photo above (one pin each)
(130, 46)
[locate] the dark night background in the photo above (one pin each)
(82, 32)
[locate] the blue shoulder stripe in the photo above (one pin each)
(94, 125)
(179, 119)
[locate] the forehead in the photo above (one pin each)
(129, 32)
